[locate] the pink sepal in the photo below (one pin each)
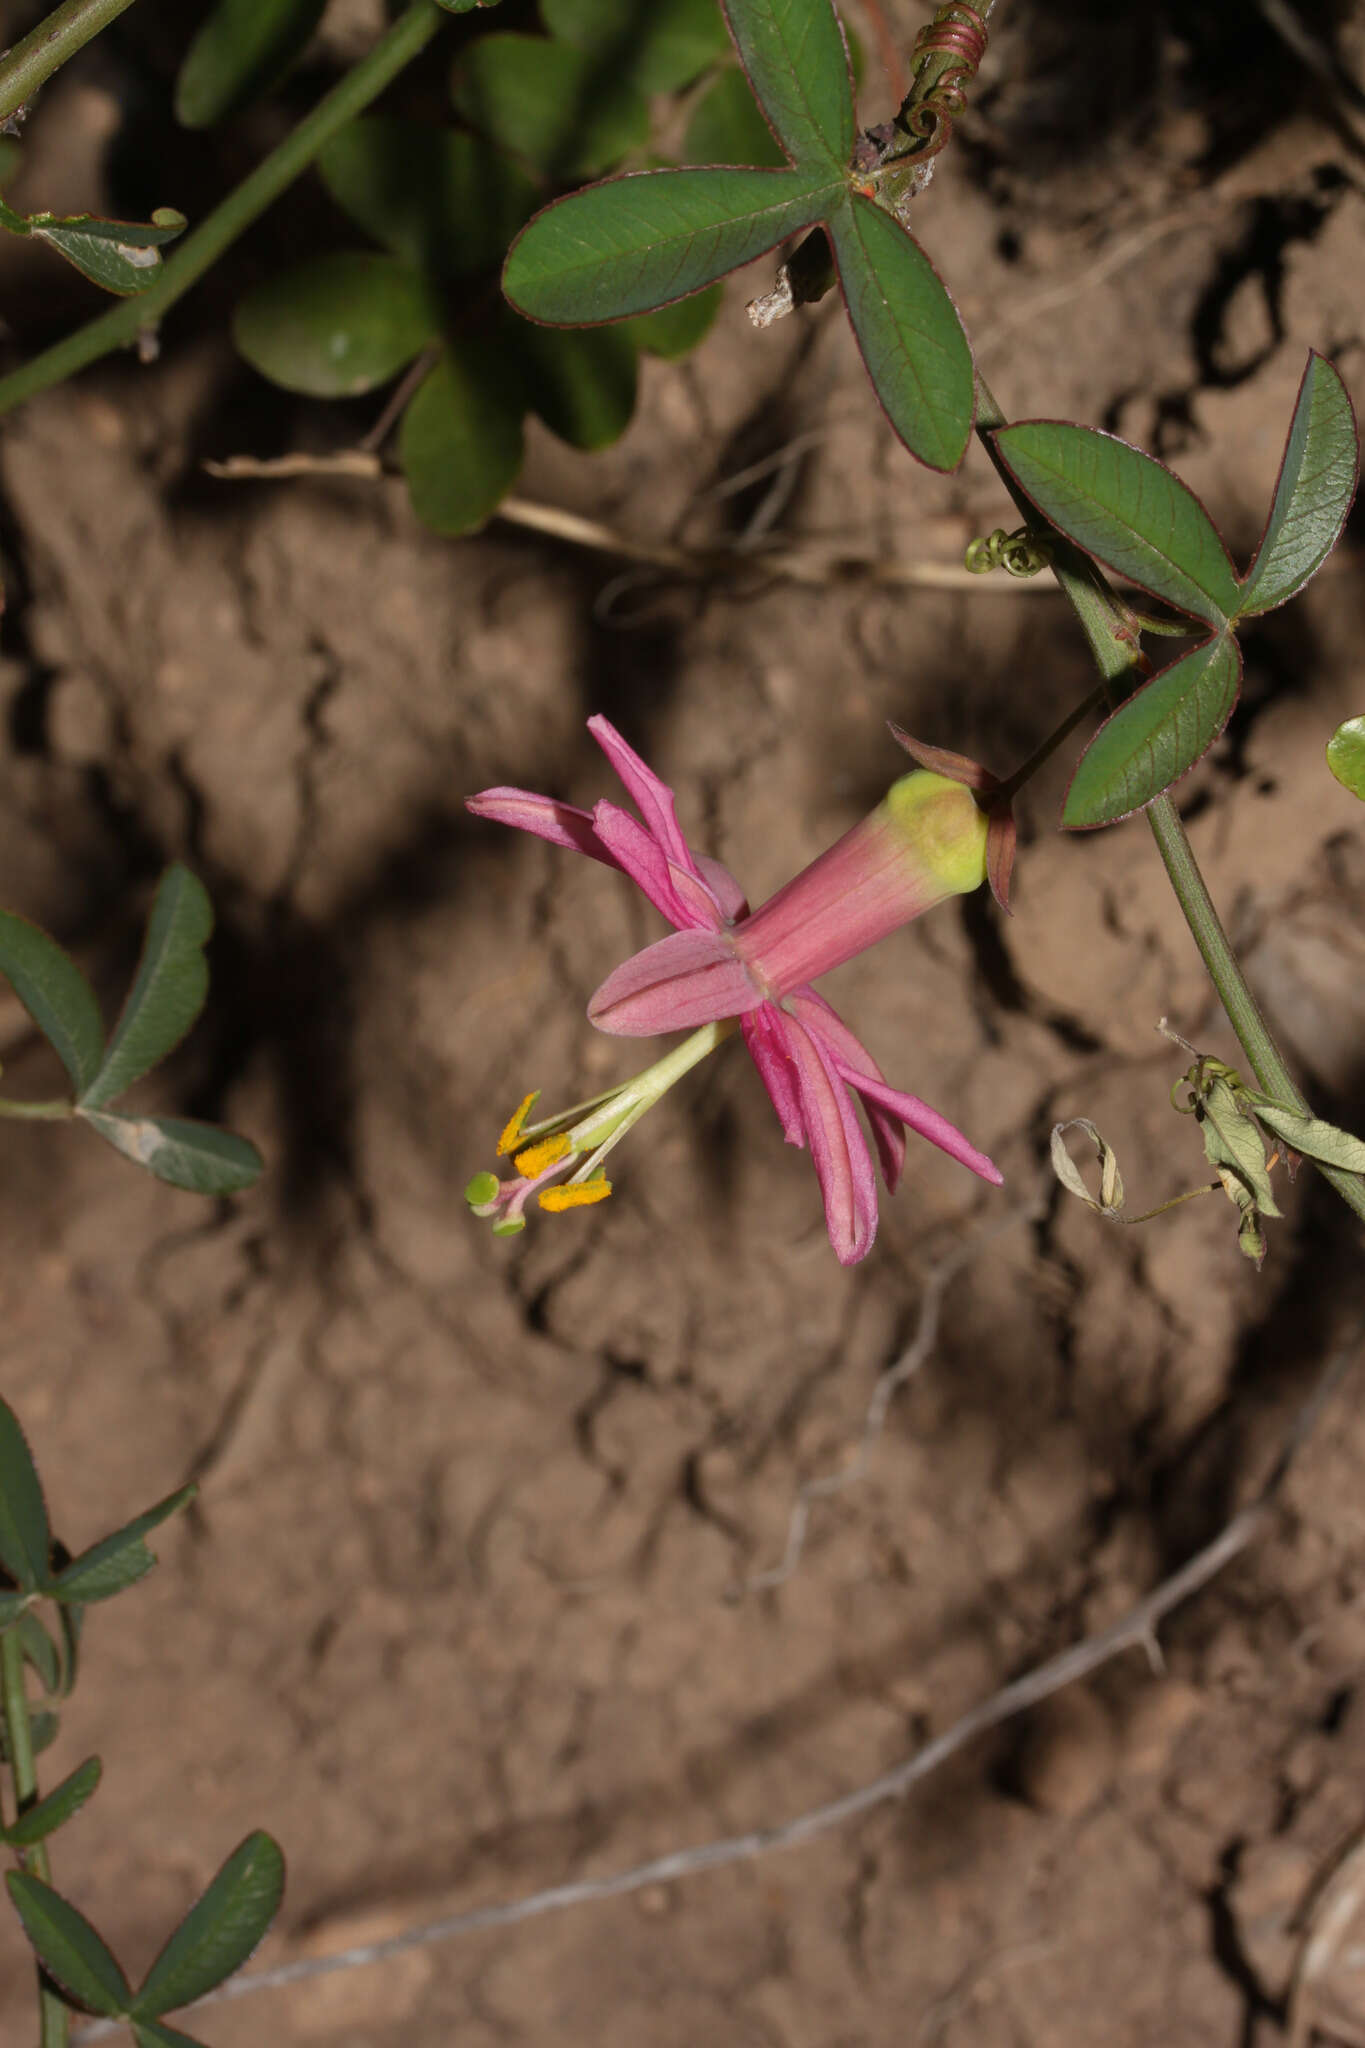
(928, 1123)
(654, 798)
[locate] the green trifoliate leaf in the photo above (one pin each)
(43, 1819)
(168, 991)
(636, 243)
(68, 1947)
(1126, 509)
(727, 127)
(1311, 1136)
(56, 995)
(797, 63)
(220, 1930)
(659, 44)
(1313, 495)
(24, 1534)
(116, 1561)
(121, 256)
(337, 325)
(461, 439)
(240, 52)
(551, 104)
(912, 341)
(1157, 736)
(447, 203)
(197, 1157)
(1346, 756)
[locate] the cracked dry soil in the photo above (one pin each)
(453, 1616)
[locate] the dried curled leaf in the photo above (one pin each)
(1110, 1201)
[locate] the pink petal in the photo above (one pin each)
(653, 798)
(853, 1059)
(928, 1123)
(731, 899)
(838, 1147)
(630, 847)
(775, 1070)
(687, 979)
(562, 824)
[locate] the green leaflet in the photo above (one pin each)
(461, 439)
(659, 44)
(186, 1154)
(336, 325)
(56, 995)
(639, 242)
(447, 203)
(239, 53)
(169, 989)
(1346, 756)
(220, 1930)
(1126, 509)
(1153, 739)
(797, 63)
(554, 105)
(1313, 495)
(912, 341)
(68, 1947)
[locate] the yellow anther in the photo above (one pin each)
(536, 1158)
(511, 1136)
(576, 1197)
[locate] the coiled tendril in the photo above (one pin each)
(958, 31)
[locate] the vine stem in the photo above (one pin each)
(1108, 628)
(125, 323)
(55, 2017)
(46, 48)
(53, 1108)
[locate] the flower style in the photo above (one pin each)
(931, 837)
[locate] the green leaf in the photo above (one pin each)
(168, 991)
(464, 6)
(42, 1820)
(154, 2033)
(1311, 1136)
(41, 1652)
(797, 63)
(336, 325)
(56, 995)
(1126, 509)
(242, 50)
(727, 127)
(1153, 739)
(197, 1157)
(912, 341)
(24, 1533)
(659, 44)
(220, 1930)
(117, 1561)
(581, 382)
(120, 256)
(674, 330)
(68, 1947)
(635, 243)
(461, 439)
(550, 103)
(1316, 484)
(447, 203)
(1346, 756)
(11, 1605)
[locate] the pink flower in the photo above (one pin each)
(930, 838)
